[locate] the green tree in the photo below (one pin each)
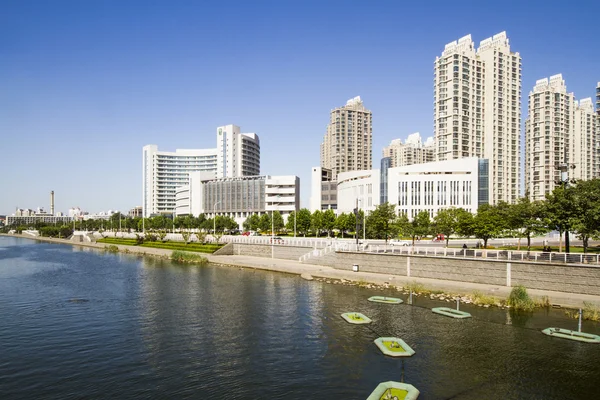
(316, 222)
(560, 210)
(447, 221)
(586, 204)
(381, 223)
(289, 225)
(419, 226)
(303, 221)
(340, 223)
(488, 223)
(527, 218)
(265, 222)
(278, 223)
(329, 221)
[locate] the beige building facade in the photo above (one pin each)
(412, 151)
(348, 142)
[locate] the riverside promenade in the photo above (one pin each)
(569, 300)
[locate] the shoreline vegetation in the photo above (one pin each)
(168, 245)
(518, 299)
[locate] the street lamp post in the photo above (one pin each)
(295, 212)
(215, 219)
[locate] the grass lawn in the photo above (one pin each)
(195, 247)
(397, 348)
(393, 392)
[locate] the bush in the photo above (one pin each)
(112, 248)
(183, 257)
(519, 299)
(483, 299)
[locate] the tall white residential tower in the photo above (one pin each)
(477, 109)
(558, 131)
(238, 154)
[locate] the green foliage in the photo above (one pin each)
(303, 221)
(420, 226)
(278, 223)
(265, 222)
(316, 222)
(184, 257)
(447, 221)
(488, 223)
(328, 221)
(381, 223)
(112, 248)
(526, 219)
(194, 247)
(482, 299)
(252, 223)
(590, 311)
(519, 299)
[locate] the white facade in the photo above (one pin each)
(477, 109)
(238, 154)
(437, 185)
(358, 186)
(238, 197)
(323, 190)
(413, 151)
(348, 142)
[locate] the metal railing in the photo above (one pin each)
(504, 255)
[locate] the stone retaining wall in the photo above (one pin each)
(582, 279)
(264, 250)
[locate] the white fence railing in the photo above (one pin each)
(505, 255)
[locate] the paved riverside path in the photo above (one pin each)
(573, 300)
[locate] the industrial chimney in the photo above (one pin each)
(52, 202)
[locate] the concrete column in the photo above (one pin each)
(508, 274)
(408, 266)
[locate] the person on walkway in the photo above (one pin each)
(464, 246)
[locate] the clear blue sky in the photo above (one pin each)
(85, 84)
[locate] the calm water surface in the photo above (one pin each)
(79, 324)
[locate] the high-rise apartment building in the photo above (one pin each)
(348, 143)
(477, 109)
(237, 154)
(559, 131)
(598, 99)
(412, 151)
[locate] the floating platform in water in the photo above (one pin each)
(394, 347)
(394, 390)
(356, 318)
(572, 335)
(383, 299)
(450, 312)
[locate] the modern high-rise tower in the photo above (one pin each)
(477, 109)
(348, 143)
(560, 132)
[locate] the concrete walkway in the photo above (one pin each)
(563, 299)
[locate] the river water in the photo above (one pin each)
(81, 324)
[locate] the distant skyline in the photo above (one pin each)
(85, 85)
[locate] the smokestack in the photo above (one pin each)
(52, 202)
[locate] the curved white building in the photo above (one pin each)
(358, 186)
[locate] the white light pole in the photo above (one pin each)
(215, 219)
(295, 212)
(272, 236)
